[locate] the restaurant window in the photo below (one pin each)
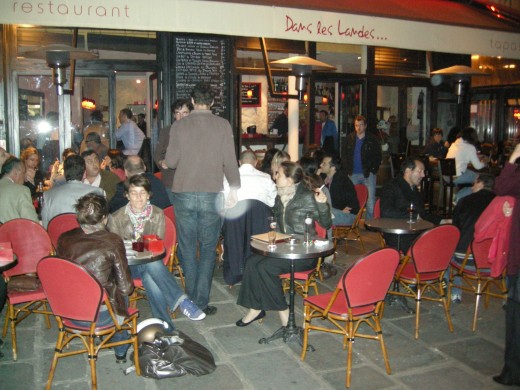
(483, 116)
(392, 61)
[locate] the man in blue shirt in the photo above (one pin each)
(329, 134)
(131, 136)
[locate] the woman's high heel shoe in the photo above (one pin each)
(259, 318)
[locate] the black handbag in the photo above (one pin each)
(173, 356)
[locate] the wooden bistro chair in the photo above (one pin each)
(421, 273)
(343, 231)
(75, 294)
(169, 260)
(303, 280)
(30, 243)
(478, 279)
(359, 298)
(60, 224)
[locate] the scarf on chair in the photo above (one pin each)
(286, 194)
(139, 218)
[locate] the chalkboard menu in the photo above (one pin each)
(203, 59)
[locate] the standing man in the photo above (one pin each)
(281, 122)
(363, 157)
(63, 198)
(329, 134)
(15, 197)
(202, 151)
(345, 204)
(180, 109)
(128, 133)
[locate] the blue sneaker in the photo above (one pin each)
(190, 310)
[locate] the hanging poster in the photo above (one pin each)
(251, 94)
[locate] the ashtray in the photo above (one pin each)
(292, 241)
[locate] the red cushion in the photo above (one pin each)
(26, 296)
(301, 275)
(339, 307)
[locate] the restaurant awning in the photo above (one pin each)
(430, 25)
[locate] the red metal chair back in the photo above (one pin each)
(66, 285)
(170, 238)
(480, 251)
(433, 249)
(362, 195)
(60, 224)
(377, 208)
(30, 243)
(168, 212)
(320, 230)
(367, 281)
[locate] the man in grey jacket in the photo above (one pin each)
(202, 151)
(61, 199)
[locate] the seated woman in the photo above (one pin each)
(261, 287)
(33, 176)
(139, 218)
(103, 254)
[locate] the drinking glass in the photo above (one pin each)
(271, 235)
(411, 211)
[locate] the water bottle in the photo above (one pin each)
(308, 229)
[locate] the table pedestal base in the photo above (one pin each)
(288, 334)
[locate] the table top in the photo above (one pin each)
(146, 257)
(5, 266)
(397, 225)
(298, 251)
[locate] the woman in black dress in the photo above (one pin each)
(261, 286)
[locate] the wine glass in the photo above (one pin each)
(271, 234)
(411, 211)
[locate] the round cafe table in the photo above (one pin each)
(292, 253)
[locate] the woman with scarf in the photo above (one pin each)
(139, 218)
(261, 286)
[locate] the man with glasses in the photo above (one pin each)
(180, 109)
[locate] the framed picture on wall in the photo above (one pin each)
(251, 94)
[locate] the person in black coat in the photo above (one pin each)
(397, 196)
(134, 165)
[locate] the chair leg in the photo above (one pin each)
(349, 353)
(417, 311)
(306, 323)
(379, 332)
(447, 312)
(478, 294)
(55, 358)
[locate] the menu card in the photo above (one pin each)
(280, 237)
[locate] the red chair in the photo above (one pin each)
(60, 224)
(358, 299)
(343, 231)
(74, 294)
(377, 214)
(30, 242)
(305, 279)
(424, 266)
(168, 212)
(478, 281)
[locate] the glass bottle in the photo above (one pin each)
(308, 229)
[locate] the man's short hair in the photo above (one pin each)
(94, 137)
(248, 157)
(203, 94)
(487, 179)
(10, 164)
(88, 152)
(409, 162)
(74, 167)
(360, 118)
(134, 165)
(127, 112)
(335, 161)
(91, 209)
(177, 104)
